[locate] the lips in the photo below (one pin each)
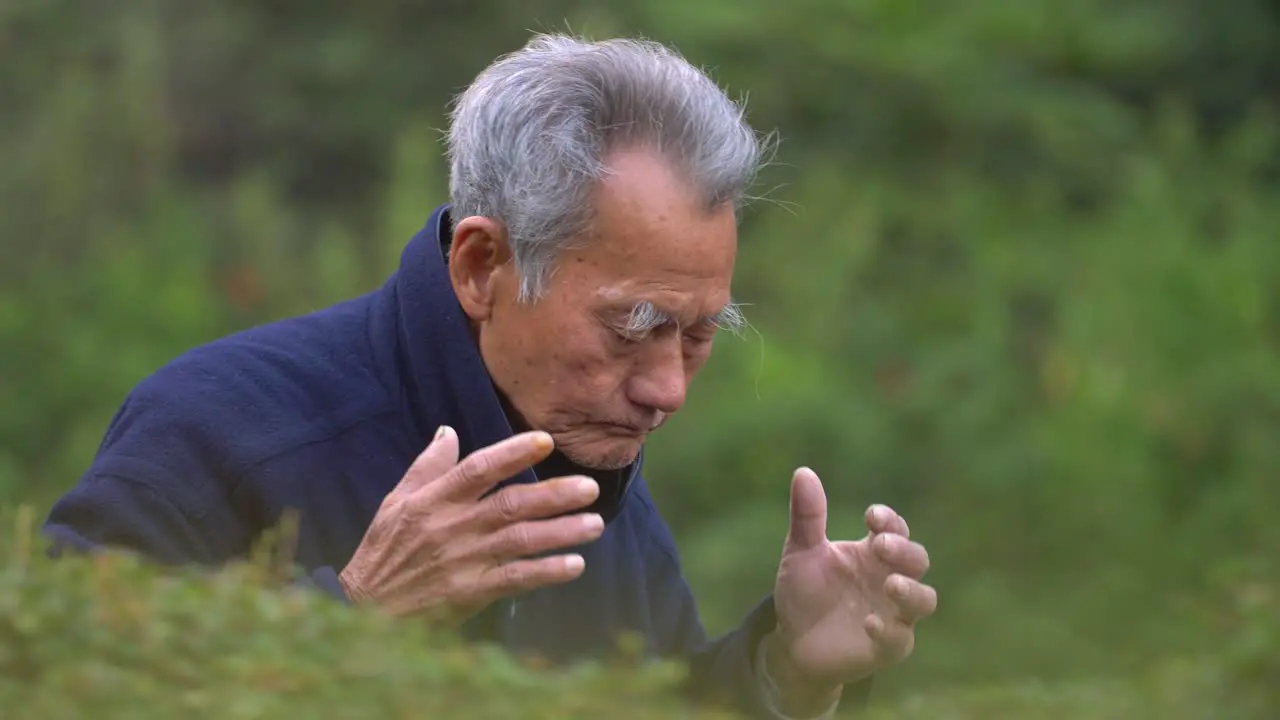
(639, 428)
(625, 429)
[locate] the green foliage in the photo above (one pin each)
(110, 636)
(1013, 273)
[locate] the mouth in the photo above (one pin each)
(625, 429)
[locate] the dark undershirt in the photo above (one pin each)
(612, 482)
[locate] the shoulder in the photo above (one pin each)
(238, 400)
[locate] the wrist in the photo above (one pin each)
(797, 694)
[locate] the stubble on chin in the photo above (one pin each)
(600, 458)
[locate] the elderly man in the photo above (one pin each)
(465, 443)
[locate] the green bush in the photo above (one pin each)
(112, 636)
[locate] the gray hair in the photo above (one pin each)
(527, 139)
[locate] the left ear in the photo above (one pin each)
(478, 258)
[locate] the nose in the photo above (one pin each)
(659, 381)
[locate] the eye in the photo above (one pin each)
(702, 333)
(622, 336)
(696, 344)
(629, 338)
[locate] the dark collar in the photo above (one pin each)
(445, 376)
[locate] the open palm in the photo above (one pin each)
(848, 608)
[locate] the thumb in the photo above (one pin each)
(808, 511)
(433, 462)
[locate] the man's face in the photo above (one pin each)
(565, 362)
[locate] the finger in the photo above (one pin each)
(882, 518)
(893, 639)
(903, 555)
(481, 470)
(521, 575)
(440, 455)
(533, 538)
(914, 600)
(533, 501)
(808, 511)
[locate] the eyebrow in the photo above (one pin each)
(645, 317)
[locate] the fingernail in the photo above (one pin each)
(574, 563)
(586, 487)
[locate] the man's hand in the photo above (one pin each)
(436, 548)
(845, 609)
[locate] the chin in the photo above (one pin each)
(610, 454)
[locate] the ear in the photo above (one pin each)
(479, 258)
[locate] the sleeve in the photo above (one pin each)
(111, 510)
(161, 486)
(106, 510)
(724, 671)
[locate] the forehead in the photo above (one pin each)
(652, 239)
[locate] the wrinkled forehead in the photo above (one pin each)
(649, 220)
(681, 272)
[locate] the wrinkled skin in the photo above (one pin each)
(560, 361)
(438, 549)
(846, 609)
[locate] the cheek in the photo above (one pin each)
(582, 356)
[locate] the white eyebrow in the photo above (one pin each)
(645, 317)
(730, 318)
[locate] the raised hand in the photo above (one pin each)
(438, 548)
(847, 608)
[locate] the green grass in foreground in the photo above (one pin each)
(112, 637)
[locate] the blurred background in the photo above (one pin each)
(1013, 273)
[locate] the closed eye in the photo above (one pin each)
(630, 337)
(704, 332)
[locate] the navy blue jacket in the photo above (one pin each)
(322, 415)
